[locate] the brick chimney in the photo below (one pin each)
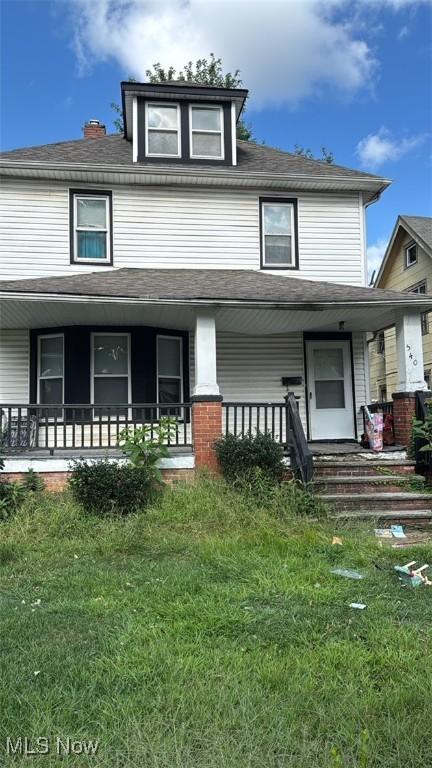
(94, 129)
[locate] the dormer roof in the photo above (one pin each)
(177, 90)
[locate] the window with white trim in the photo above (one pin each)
(162, 130)
(91, 223)
(278, 244)
(381, 343)
(50, 369)
(421, 289)
(169, 370)
(427, 378)
(110, 368)
(206, 132)
(411, 255)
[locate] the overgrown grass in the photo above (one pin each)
(209, 632)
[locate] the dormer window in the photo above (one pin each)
(206, 132)
(162, 130)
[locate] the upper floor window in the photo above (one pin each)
(91, 227)
(278, 234)
(162, 130)
(411, 254)
(206, 132)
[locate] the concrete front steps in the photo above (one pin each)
(377, 488)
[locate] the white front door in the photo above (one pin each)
(330, 395)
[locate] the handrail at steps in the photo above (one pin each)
(301, 456)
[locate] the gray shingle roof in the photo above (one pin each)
(115, 150)
(204, 284)
(421, 226)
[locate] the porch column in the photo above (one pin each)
(410, 372)
(206, 398)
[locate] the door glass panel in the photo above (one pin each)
(330, 394)
(169, 363)
(110, 355)
(328, 363)
(51, 357)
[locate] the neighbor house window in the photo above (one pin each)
(381, 343)
(162, 130)
(206, 132)
(421, 289)
(427, 378)
(110, 371)
(169, 370)
(91, 227)
(51, 370)
(383, 393)
(278, 245)
(411, 254)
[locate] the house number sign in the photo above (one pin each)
(411, 356)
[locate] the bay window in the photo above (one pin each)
(169, 370)
(110, 367)
(50, 370)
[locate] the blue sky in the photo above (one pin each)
(355, 77)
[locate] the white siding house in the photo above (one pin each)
(248, 261)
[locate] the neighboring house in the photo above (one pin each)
(174, 263)
(407, 266)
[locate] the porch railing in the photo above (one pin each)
(33, 427)
(281, 420)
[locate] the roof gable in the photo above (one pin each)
(419, 228)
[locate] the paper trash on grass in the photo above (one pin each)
(360, 606)
(347, 573)
(383, 533)
(337, 540)
(397, 531)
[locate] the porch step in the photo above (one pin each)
(385, 502)
(341, 484)
(407, 517)
(362, 468)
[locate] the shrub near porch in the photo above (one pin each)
(208, 632)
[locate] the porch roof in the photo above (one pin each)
(170, 298)
(211, 287)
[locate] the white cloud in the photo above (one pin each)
(286, 49)
(375, 255)
(379, 148)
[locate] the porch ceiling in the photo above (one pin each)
(47, 313)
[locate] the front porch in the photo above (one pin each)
(218, 352)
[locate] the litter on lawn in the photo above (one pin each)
(395, 531)
(347, 573)
(411, 576)
(359, 606)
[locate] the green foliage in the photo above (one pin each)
(147, 444)
(326, 154)
(103, 487)
(250, 460)
(12, 496)
(422, 430)
(204, 71)
(33, 482)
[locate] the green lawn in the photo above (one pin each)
(210, 633)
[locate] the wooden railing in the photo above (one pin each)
(281, 420)
(86, 426)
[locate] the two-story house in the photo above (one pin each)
(174, 269)
(406, 266)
